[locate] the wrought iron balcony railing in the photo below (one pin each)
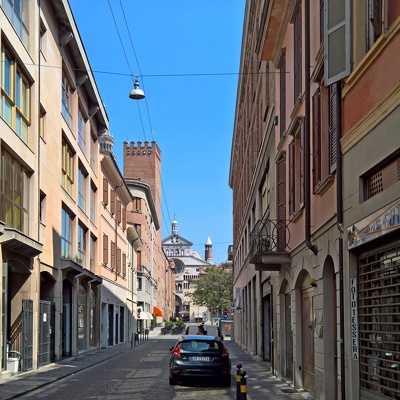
(269, 244)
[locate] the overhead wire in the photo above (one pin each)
(147, 108)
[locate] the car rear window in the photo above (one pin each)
(210, 329)
(200, 345)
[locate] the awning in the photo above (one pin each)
(145, 316)
(157, 312)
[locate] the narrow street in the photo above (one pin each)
(138, 374)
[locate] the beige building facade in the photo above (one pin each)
(65, 288)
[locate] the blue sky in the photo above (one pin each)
(186, 54)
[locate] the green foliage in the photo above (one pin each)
(214, 289)
(179, 324)
(168, 324)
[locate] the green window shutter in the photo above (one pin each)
(337, 40)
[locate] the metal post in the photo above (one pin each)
(243, 386)
(239, 366)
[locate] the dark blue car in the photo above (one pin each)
(200, 356)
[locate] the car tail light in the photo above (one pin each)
(177, 351)
(224, 352)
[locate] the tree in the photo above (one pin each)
(214, 289)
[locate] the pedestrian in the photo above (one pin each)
(201, 330)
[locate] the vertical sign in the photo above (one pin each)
(354, 318)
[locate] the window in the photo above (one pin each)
(66, 101)
(119, 212)
(113, 255)
(92, 250)
(42, 121)
(334, 123)
(139, 283)
(93, 152)
(374, 21)
(137, 204)
(281, 199)
(119, 260)
(112, 201)
(124, 265)
(296, 169)
(66, 235)
(15, 96)
(14, 193)
(42, 209)
(17, 13)
(67, 167)
(282, 97)
(81, 132)
(81, 245)
(297, 56)
(105, 249)
(42, 38)
(82, 191)
(124, 218)
(139, 260)
(93, 202)
(322, 149)
(105, 191)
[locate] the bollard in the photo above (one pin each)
(243, 386)
(238, 377)
(136, 338)
(132, 340)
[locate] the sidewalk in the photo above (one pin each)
(261, 384)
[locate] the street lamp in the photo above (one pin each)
(137, 93)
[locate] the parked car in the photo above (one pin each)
(200, 356)
(211, 330)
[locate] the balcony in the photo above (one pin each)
(269, 245)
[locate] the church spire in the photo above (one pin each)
(175, 226)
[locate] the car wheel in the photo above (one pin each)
(172, 381)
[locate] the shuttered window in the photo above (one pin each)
(119, 213)
(282, 97)
(301, 163)
(105, 191)
(334, 123)
(292, 177)
(297, 56)
(337, 40)
(124, 265)
(374, 22)
(112, 202)
(119, 260)
(124, 218)
(316, 135)
(321, 20)
(105, 249)
(113, 255)
(281, 200)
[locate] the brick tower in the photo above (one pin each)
(143, 162)
(208, 250)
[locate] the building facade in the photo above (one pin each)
(314, 187)
(64, 287)
(155, 276)
(188, 265)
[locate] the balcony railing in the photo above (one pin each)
(269, 244)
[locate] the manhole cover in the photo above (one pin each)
(289, 390)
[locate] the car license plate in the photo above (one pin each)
(198, 358)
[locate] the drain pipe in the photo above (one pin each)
(307, 154)
(339, 205)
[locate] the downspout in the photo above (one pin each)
(339, 205)
(307, 153)
(116, 229)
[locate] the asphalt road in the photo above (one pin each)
(141, 373)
